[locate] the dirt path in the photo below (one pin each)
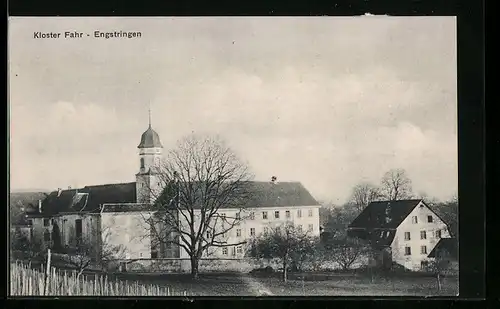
(255, 287)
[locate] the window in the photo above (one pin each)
(424, 264)
(239, 249)
(277, 214)
(299, 213)
(266, 230)
(252, 231)
(238, 232)
(438, 234)
(209, 234)
(423, 249)
(140, 254)
(310, 212)
(142, 162)
(154, 254)
(429, 219)
(310, 227)
(53, 221)
(233, 251)
(423, 235)
(252, 216)
(30, 222)
(299, 228)
(287, 213)
(407, 236)
(78, 228)
(46, 236)
(46, 222)
(238, 216)
(414, 219)
(223, 216)
(224, 250)
(264, 215)
(407, 250)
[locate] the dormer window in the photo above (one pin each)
(142, 163)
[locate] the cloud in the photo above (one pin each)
(330, 103)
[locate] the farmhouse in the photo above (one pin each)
(115, 214)
(404, 231)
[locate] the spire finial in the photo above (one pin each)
(149, 110)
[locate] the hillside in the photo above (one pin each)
(20, 200)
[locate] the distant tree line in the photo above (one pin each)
(394, 185)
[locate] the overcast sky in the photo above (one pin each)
(325, 101)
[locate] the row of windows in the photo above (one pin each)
(276, 214)
(423, 250)
(414, 219)
(234, 250)
(423, 235)
(310, 228)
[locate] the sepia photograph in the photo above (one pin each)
(233, 156)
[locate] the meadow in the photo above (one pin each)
(242, 284)
(28, 280)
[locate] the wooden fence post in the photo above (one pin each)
(47, 274)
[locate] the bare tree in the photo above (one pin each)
(396, 185)
(448, 212)
(438, 266)
(345, 251)
(199, 180)
(339, 219)
(363, 194)
(286, 243)
(98, 251)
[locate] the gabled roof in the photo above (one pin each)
(449, 245)
(262, 194)
(279, 194)
(379, 238)
(384, 214)
(88, 198)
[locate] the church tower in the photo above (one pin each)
(150, 155)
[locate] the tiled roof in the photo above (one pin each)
(88, 198)
(280, 194)
(266, 194)
(377, 238)
(450, 245)
(384, 214)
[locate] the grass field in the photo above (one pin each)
(232, 284)
(29, 281)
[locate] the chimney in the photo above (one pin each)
(69, 187)
(40, 206)
(59, 191)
